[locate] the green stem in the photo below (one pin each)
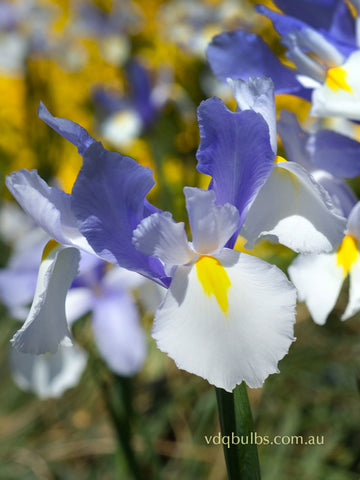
(118, 402)
(238, 436)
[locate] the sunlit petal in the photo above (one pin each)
(318, 280)
(46, 327)
(294, 210)
(49, 207)
(160, 236)
(227, 342)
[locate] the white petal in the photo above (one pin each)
(49, 375)
(354, 292)
(244, 344)
(160, 236)
(318, 280)
(79, 301)
(329, 102)
(294, 210)
(211, 225)
(257, 94)
(49, 207)
(119, 278)
(46, 327)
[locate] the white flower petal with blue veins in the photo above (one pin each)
(48, 376)
(294, 210)
(46, 327)
(160, 236)
(49, 207)
(257, 94)
(318, 280)
(227, 319)
(211, 225)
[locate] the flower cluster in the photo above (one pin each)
(226, 316)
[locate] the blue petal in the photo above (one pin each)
(73, 132)
(284, 24)
(336, 153)
(340, 193)
(235, 151)
(139, 80)
(343, 25)
(118, 335)
(294, 140)
(108, 201)
(318, 13)
(242, 55)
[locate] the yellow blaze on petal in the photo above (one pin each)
(352, 8)
(49, 247)
(347, 253)
(336, 80)
(279, 159)
(214, 279)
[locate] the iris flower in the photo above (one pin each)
(291, 207)
(319, 278)
(326, 63)
(103, 291)
(226, 316)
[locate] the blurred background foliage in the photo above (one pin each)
(62, 52)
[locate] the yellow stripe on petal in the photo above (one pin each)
(336, 80)
(347, 253)
(214, 279)
(279, 159)
(49, 247)
(352, 8)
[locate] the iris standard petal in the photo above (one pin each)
(294, 140)
(73, 132)
(108, 199)
(46, 327)
(239, 54)
(49, 207)
(48, 376)
(235, 151)
(294, 210)
(160, 236)
(211, 225)
(118, 334)
(257, 94)
(335, 153)
(318, 280)
(242, 340)
(318, 13)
